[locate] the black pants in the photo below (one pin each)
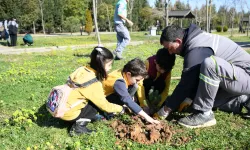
(158, 84)
(89, 112)
(13, 39)
(115, 98)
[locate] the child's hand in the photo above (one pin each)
(152, 121)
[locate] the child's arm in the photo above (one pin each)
(164, 93)
(141, 93)
(95, 94)
(141, 90)
(122, 91)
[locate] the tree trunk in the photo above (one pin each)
(41, 10)
(131, 11)
(95, 20)
(110, 28)
(210, 15)
(207, 16)
(34, 27)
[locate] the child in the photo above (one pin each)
(93, 96)
(159, 68)
(27, 39)
(120, 86)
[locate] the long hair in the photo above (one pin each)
(98, 58)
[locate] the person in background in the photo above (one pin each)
(81, 30)
(13, 28)
(120, 18)
(27, 39)
(7, 37)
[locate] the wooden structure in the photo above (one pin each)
(181, 14)
(245, 21)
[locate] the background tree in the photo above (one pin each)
(41, 2)
(71, 24)
(147, 18)
(89, 22)
(105, 16)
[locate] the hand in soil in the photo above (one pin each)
(152, 121)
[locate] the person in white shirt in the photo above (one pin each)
(13, 26)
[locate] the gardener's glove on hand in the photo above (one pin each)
(162, 114)
(186, 103)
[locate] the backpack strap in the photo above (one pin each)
(85, 84)
(88, 83)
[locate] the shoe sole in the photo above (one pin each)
(246, 116)
(207, 124)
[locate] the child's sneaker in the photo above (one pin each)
(79, 127)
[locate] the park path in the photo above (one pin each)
(10, 50)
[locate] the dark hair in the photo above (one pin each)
(136, 67)
(165, 60)
(98, 58)
(170, 33)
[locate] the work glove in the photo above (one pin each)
(162, 114)
(185, 104)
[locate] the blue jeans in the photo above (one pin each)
(123, 38)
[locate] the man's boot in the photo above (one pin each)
(79, 127)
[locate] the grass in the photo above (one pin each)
(48, 41)
(26, 80)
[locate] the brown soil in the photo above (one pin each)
(143, 133)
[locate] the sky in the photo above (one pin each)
(199, 3)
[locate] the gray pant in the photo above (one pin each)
(123, 38)
(221, 84)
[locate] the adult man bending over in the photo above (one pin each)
(216, 73)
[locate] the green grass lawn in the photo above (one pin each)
(41, 41)
(26, 80)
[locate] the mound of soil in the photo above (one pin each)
(137, 130)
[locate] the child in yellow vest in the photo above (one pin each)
(93, 96)
(121, 85)
(159, 68)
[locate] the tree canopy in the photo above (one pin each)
(55, 15)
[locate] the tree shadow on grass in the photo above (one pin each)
(3, 43)
(82, 55)
(44, 119)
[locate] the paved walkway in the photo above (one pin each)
(10, 50)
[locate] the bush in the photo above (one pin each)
(225, 28)
(49, 28)
(218, 28)
(72, 24)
